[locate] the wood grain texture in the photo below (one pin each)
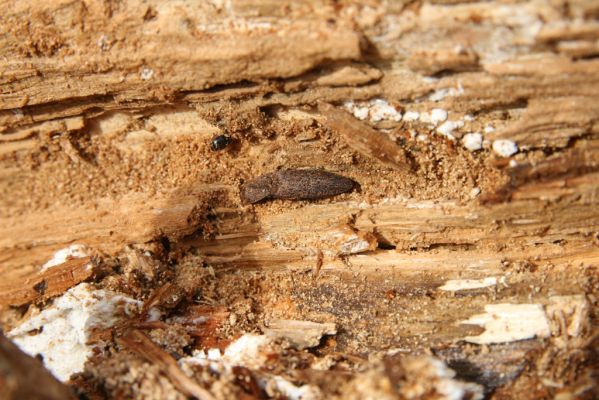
(54, 281)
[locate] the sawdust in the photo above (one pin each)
(262, 144)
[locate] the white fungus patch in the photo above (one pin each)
(376, 110)
(60, 333)
(62, 255)
(446, 128)
(509, 322)
(361, 113)
(468, 284)
(438, 115)
(154, 314)
(473, 141)
(280, 385)
(505, 148)
(411, 116)
(381, 110)
(146, 73)
(250, 351)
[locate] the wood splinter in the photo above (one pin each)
(364, 139)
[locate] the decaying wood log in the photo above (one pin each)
(471, 128)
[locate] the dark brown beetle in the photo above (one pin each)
(296, 184)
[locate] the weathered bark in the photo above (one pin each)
(23, 377)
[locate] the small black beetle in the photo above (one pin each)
(220, 142)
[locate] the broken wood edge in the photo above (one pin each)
(43, 285)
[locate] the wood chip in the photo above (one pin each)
(42, 285)
(365, 139)
(301, 334)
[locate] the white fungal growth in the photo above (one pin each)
(62, 255)
(250, 351)
(509, 322)
(446, 128)
(438, 115)
(376, 110)
(411, 116)
(505, 148)
(146, 73)
(361, 113)
(381, 110)
(473, 141)
(61, 332)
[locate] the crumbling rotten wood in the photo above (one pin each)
(139, 343)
